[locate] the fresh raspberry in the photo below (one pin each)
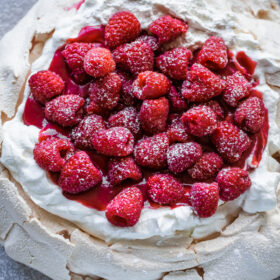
(127, 118)
(82, 134)
(204, 199)
(174, 63)
(200, 120)
(52, 153)
(115, 142)
(165, 189)
(99, 62)
(177, 131)
(151, 152)
(123, 27)
(120, 169)
(167, 28)
(201, 84)
(237, 88)
(150, 40)
(177, 102)
(149, 85)
(135, 57)
(230, 141)
(206, 167)
(213, 54)
(250, 114)
(217, 108)
(125, 209)
(182, 156)
(233, 182)
(104, 94)
(74, 55)
(153, 115)
(66, 110)
(79, 174)
(127, 97)
(45, 85)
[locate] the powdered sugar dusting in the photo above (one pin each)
(127, 118)
(151, 152)
(116, 141)
(237, 87)
(182, 156)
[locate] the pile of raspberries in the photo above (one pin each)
(150, 109)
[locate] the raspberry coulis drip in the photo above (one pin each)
(76, 6)
(100, 196)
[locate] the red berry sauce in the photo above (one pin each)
(76, 6)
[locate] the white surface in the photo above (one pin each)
(9, 269)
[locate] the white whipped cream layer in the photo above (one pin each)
(204, 21)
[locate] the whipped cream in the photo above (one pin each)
(19, 139)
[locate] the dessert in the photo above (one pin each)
(144, 151)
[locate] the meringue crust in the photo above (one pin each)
(247, 244)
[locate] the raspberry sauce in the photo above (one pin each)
(99, 197)
(76, 6)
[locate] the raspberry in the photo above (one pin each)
(115, 142)
(104, 94)
(200, 120)
(250, 114)
(213, 54)
(177, 132)
(150, 85)
(151, 152)
(120, 169)
(125, 209)
(206, 167)
(201, 84)
(150, 40)
(52, 153)
(177, 103)
(66, 110)
(230, 141)
(99, 62)
(82, 134)
(153, 115)
(204, 199)
(174, 63)
(167, 28)
(165, 189)
(127, 118)
(74, 55)
(123, 27)
(237, 88)
(233, 182)
(45, 85)
(135, 57)
(79, 174)
(217, 108)
(182, 156)
(126, 97)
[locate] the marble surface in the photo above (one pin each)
(9, 269)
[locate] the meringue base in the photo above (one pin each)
(247, 248)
